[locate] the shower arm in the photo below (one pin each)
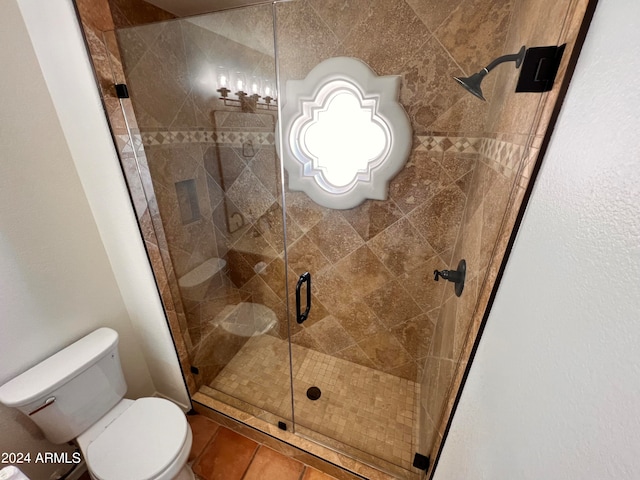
(514, 57)
(472, 83)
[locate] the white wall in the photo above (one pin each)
(554, 390)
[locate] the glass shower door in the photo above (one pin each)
(358, 357)
(202, 118)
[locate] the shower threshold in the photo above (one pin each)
(366, 415)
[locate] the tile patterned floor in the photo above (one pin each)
(221, 454)
(363, 408)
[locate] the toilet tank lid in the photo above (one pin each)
(51, 373)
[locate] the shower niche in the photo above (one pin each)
(229, 231)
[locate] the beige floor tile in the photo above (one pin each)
(366, 409)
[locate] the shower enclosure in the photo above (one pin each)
(238, 241)
(228, 241)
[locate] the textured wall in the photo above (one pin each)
(553, 391)
(101, 177)
(58, 282)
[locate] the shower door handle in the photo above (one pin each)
(304, 278)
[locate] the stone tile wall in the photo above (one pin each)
(515, 126)
(377, 258)
(375, 301)
(404, 314)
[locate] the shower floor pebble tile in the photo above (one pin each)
(364, 408)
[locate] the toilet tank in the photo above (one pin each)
(68, 392)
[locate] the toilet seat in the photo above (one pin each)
(147, 441)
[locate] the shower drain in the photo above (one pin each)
(313, 393)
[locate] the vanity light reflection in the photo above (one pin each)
(248, 95)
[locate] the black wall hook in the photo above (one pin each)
(455, 276)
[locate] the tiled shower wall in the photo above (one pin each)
(405, 238)
(515, 126)
(418, 228)
(377, 258)
(376, 302)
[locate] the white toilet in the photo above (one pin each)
(78, 394)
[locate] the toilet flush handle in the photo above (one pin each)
(46, 403)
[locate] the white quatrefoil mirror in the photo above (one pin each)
(345, 136)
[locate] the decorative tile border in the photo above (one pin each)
(153, 138)
(501, 155)
(504, 157)
(449, 144)
(125, 145)
(428, 143)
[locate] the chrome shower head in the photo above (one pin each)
(472, 83)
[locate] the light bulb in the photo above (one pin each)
(255, 85)
(223, 77)
(240, 81)
(269, 91)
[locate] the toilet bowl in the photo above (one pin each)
(195, 283)
(145, 438)
(78, 394)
